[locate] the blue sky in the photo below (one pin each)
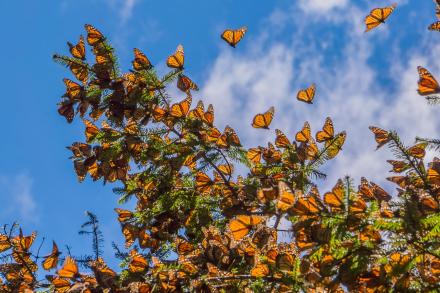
(362, 79)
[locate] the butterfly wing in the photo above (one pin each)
(140, 62)
(51, 261)
(378, 16)
(305, 134)
(327, 132)
(78, 50)
(69, 269)
(263, 120)
(177, 60)
(427, 84)
(233, 37)
(94, 36)
(307, 95)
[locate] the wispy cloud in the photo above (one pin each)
(319, 6)
(18, 202)
(349, 89)
(126, 10)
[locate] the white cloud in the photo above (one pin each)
(126, 9)
(321, 6)
(349, 90)
(19, 203)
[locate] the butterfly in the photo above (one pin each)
(203, 182)
(254, 155)
(242, 224)
(140, 61)
(260, 270)
(335, 198)
(436, 25)
(378, 16)
(285, 262)
(398, 166)
(263, 120)
(180, 110)
(233, 37)
(208, 116)
(137, 263)
(51, 261)
(94, 36)
(327, 132)
(69, 269)
(176, 60)
(417, 151)
(334, 146)
(286, 197)
(381, 136)
(305, 134)
(91, 130)
(427, 84)
(78, 50)
(281, 139)
(433, 174)
(309, 205)
(184, 83)
(123, 215)
(307, 95)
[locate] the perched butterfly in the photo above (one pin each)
(94, 36)
(427, 84)
(137, 263)
(281, 139)
(242, 224)
(260, 270)
(335, 198)
(184, 83)
(436, 25)
(91, 130)
(176, 60)
(327, 132)
(51, 261)
(285, 262)
(417, 151)
(140, 61)
(378, 16)
(263, 120)
(232, 37)
(254, 155)
(208, 116)
(307, 95)
(69, 269)
(179, 110)
(203, 182)
(123, 215)
(381, 136)
(286, 197)
(78, 50)
(305, 135)
(335, 145)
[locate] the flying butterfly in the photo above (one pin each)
(69, 269)
(335, 145)
(177, 60)
(51, 261)
(427, 84)
(140, 62)
(327, 132)
(307, 95)
(281, 139)
(436, 25)
(381, 136)
(378, 16)
(185, 84)
(263, 120)
(242, 224)
(78, 50)
(94, 36)
(180, 110)
(233, 37)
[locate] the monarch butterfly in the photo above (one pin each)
(308, 205)
(94, 36)
(91, 131)
(335, 198)
(417, 151)
(177, 60)
(358, 206)
(183, 247)
(436, 25)
(378, 16)
(242, 224)
(159, 114)
(307, 95)
(137, 263)
(60, 284)
(285, 262)
(4, 243)
(179, 110)
(433, 173)
(141, 61)
(197, 112)
(208, 116)
(78, 50)
(266, 195)
(226, 169)
(69, 269)
(286, 197)
(23, 243)
(398, 166)
(311, 149)
(184, 83)
(203, 182)
(130, 233)
(263, 120)
(270, 154)
(123, 215)
(260, 270)
(254, 155)
(281, 139)
(305, 134)
(379, 192)
(146, 241)
(233, 37)
(73, 89)
(51, 261)
(327, 132)
(335, 145)
(402, 181)
(427, 84)
(381, 136)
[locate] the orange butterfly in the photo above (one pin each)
(263, 120)
(254, 155)
(123, 215)
(327, 132)
(179, 110)
(335, 198)
(51, 261)
(91, 130)
(203, 182)
(242, 224)
(307, 95)
(94, 36)
(305, 135)
(141, 61)
(281, 139)
(137, 263)
(177, 60)
(286, 197)
(69, 269)
(184, 83)
(428, 85)
(78, 50)
(334, 146)
(381, 136)
(233, 37)
(436, 25)
(378, 16)
(260, 270)
(208, 116)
